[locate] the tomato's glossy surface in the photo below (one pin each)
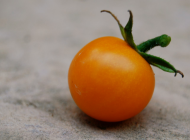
(110, 81)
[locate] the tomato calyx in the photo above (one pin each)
(163, 41)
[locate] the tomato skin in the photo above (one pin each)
(110, 81)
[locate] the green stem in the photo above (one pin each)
(163, 41)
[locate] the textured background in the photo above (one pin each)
(39, 38)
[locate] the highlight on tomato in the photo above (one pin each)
(111, 79)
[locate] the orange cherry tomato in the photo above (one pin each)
(110, 81)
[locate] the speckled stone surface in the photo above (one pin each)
(39, 38)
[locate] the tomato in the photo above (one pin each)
(110, 81)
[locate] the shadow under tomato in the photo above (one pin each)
(65, 109)
(132, 123)
(152, 116)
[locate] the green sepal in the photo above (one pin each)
(128, 32)
(120, 26)
(122, 31)
(158, 62)
(163, 41)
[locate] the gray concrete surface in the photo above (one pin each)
(39, 38)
